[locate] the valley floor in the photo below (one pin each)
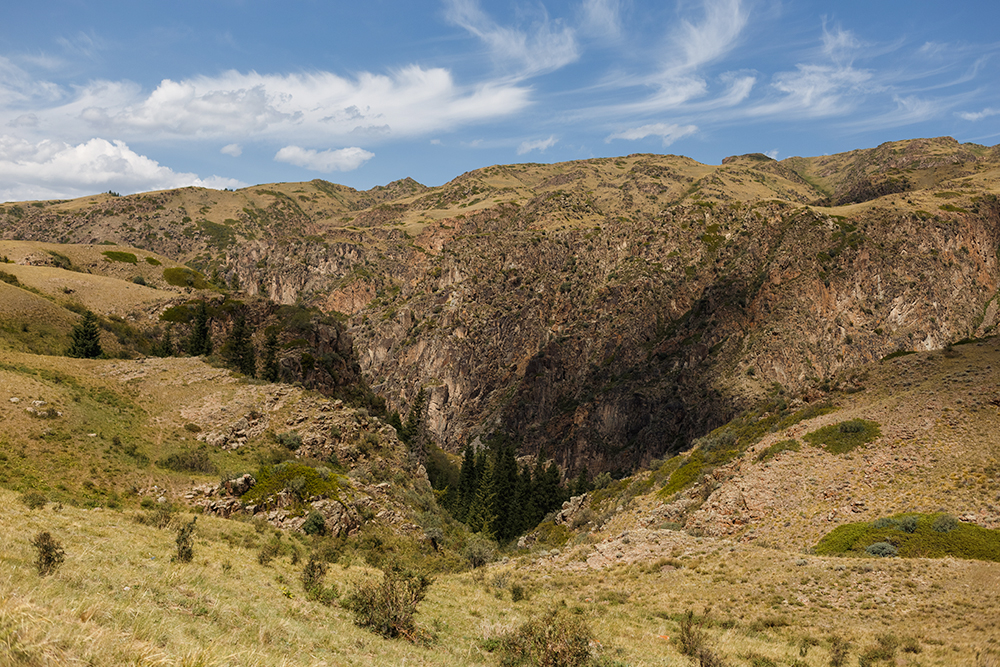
(119, 599)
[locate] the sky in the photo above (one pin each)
(139, 95)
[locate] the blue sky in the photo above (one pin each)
(140, 95)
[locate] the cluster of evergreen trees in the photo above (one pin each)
(498, 498)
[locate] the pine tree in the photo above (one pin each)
(582, 483)
(238, 349)
(271, 371)
(415, 420)
(86, 337)
(201, 337)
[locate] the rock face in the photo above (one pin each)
(606, 310)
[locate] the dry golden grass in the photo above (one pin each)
(119, 599)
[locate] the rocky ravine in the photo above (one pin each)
(608, 310)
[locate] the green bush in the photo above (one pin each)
(290, 440)
(883, 549)
(314, 524)
(944, 523)
(555, 639)
(50, 553)
(387, 607)
(845, 436)
(479, 550)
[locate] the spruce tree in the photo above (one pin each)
(86, 343)
(271, 371)
(165, 346)
(466, 492)
(482, 516)
(238, 349)
(505, 490)
(201, 337)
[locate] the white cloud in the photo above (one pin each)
(293, 107)
(234, 150)
(537, 145)
(978, 115)
(703, 42)
(773, 154)
(56, 170)
(669, 133)
(549, 46)
(343, 159)
(602, 17)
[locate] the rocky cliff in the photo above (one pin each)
(606, 310)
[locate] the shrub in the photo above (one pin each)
(185, 542)
(50, 553)
(269, 551)
(314, 524)
(290, 440)
(552, 640)
(845, 436)
(791, 445)
(387, 607)
(191, 460)
(34, 499)
(839, 649)
(313, 574)
(479, 550)
(883, 549)
(139, 280)
(883, 651)
(908, 524)
(690, 636)
(944, 523)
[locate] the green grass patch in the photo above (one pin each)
(842, 437)
(686, 474)
(152, 261)
(791, 445)
(914, 536)
(119, 256)
(298, 479)
(181, 276)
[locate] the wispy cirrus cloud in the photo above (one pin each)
(602, 18)
(52, 169)
(548, 44)
(342, 159)
(537, 145)
(667, 132)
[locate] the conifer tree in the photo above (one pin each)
(466, 492)
(271, 371)
(165, 346)
(482, 517)
(238, 348)
(201, 337)
(86, 338)
(504, 490)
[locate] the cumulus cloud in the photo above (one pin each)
(56, 170)
(410, 101)
(343, 159)
(537, 145)
(668, 132)
(234, 150)
(548, 46)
